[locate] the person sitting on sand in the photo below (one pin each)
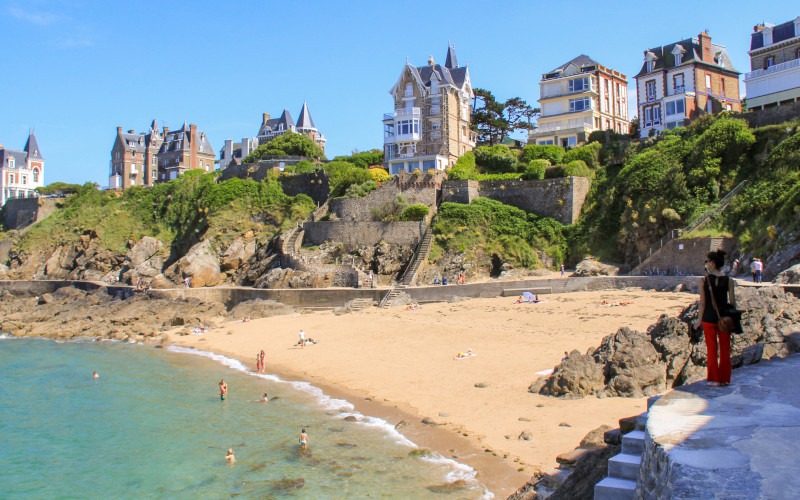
(229, 457)
(304, 439)
(223, 390)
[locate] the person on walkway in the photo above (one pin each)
(735, 267)
(753, 268)
(759, 270)
(563, 272)
(718, 344)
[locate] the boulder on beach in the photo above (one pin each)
(591, 267)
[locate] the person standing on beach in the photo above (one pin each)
(258, 363)
(563, 272)
(223, 390)
(304, 440)
(263, 355)
(718, 344)
(302, 340)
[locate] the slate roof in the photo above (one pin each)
(665, 59)
(451, 62)
(574, 66)
(19, 157)
(180, 140)
(272, 124)
(32, 147)
(305, 121)
(780, 33)
(446, 76)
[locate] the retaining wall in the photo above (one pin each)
(378, 200)
(685, 256)
(21, 212)
(561, 199)
(773, 116)
(357, 233)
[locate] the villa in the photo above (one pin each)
(21, 172)
(774, 77)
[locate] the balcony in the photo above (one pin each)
(407, 112)
(134, 170)
(678, 89)
(794, 63)
(436, 110)
(411, 137)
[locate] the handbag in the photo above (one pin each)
(725, 324)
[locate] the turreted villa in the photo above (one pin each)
(21, 172)
(273, 127)
(429, 127)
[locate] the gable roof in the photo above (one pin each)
(305, 121)
(449, 74)
(32, 147)
(665, 59)
(273, 123)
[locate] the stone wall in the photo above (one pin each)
(316, 184)
(773, 116)
(684, 256)
(362, 209)
(21, 212)
(354, 234)
(561, 199)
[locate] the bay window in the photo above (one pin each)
(579, 84)
(580, 104)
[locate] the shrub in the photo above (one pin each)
(364, 159)
(496, 159)
(415, 212)
(577, 168)
(286, 144)
(379, 174)
(589, 154)
(536, 169)
(555, 171)
(360, 190)
(553, 154)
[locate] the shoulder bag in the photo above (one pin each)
(725, 324)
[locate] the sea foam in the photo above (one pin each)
(458, 470)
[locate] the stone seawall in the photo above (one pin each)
(353, 234)
(561, 199)
(685, 256)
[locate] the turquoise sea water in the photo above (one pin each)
(152, 426)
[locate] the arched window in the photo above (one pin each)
(35, 175)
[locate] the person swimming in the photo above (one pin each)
(95, 375)
(223, 390)
(229, 457)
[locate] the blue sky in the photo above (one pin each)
(75, 70)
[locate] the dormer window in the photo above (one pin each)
(678, 59)
(651, 65)
(11, 164)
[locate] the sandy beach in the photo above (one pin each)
(401, 365)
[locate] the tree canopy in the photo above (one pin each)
(494, 120)
(288, 144)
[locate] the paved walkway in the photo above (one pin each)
(739, 441)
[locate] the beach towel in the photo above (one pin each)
(530, 297)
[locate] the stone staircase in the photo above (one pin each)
(711, 213)
(388, 299)
(360, 304)
(420, 257)
(623, 468)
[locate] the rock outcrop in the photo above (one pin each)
(591, 267)
(200, 265)
(790, 276)
(673, 352)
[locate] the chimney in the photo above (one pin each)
(758, 27)
(119, 130)
(705, 47)
(130, 131)
(193, 145)
(166, 129)
(264, 119)
(430, 61)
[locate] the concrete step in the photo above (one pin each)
(633, 443)
(624, 466)
(641, 422)
(613, 488)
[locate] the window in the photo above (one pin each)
(24, 179)
(651, 66)
(770, 61)
(728, 107)
(607, 91)
(35, 175)
(656, 114)
(579, 104)
(709, 106)
(409, 90)
(648, 115)
(650, 87)
(708, 83)
(11, 178)
(579, 84)
(722, 86)
(546, 142)
(11, 163)
(677, 82)
(675, 107)
(678, 59)
(572, 142)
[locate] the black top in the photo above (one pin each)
(720, 285)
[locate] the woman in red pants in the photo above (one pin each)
(718, 344)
